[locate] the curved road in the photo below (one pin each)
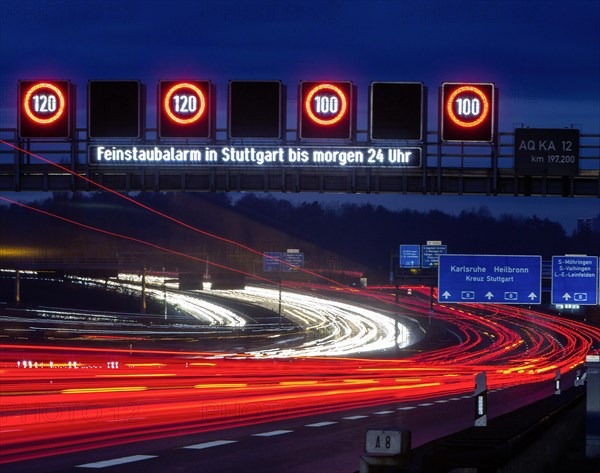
(120, 403)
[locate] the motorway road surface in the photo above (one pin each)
(329, 443)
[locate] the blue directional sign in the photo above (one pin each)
(272, 261)
(293, 261)
(574, 280)
(410, 256)
(492, 279)
(431, 255)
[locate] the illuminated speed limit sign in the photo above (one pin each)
(326, 110)
(184, 109)
(44, 109)
(468, 112)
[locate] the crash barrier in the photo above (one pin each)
(531, 439)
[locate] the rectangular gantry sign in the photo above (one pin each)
(575, 280)
(115, 109)
(255, 109)
(292, 261)
(326, 110)
(496, 279)
(272, 261)
(184, 109)
(410, 256)
(431, 255)
(546, 151)
(467, 112)
(44, 109)
(396, 111)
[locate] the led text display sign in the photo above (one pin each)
(44, 109)
(255, 156)
(326, 110)
(184, 109)
(468, 112)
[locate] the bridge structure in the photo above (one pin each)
(453, 168)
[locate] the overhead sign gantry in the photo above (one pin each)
(254, 150)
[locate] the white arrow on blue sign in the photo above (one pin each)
(498, 279)
(431, 255)
(410, 256)
(574, 280)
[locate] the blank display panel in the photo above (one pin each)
(396, 111)
(255, 109)
(114, 109)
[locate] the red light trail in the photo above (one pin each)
(79, 398)
(117, 396)
(161, 214)
(133, 239)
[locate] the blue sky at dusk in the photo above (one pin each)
(543, 56)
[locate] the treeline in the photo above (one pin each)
(370, 232)
(357, 237)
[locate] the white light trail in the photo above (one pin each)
(340, 328)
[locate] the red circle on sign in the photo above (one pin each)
(172, 115)
(57, 93)
(474, 90)
(338, 116)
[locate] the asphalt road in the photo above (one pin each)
(330, 443)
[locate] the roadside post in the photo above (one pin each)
(385, 450)
(592, 418)
(480, 397)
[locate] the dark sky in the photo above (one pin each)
(544, 57)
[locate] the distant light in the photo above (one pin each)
(567, 306)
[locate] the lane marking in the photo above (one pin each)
(455, 399)
(355, 417)
(406, 408)
(272, 433)
(425, 404)
(380, 413)
(441, 401)
(215, 443)
(321, 424)
(126, 419)
(116, 461)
